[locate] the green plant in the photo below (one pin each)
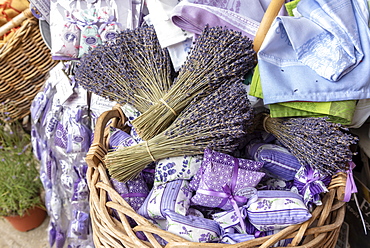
(20, 185)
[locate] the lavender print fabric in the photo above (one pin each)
(211, 157)
(229, 218)
(193, 228)
(311, 184)
(275, 209)
(182, 167)
(174, 195)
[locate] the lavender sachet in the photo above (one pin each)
(224, 182)
(277, 160)
(211, 157)
(173, 168)
(133, 191)
(310, 184)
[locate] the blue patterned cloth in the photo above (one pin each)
(320, 56)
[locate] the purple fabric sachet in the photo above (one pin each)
(133, 191)
(211, 157)
(277, 209)
(193, 228)
(174, 195)
(224, 180)
(277, 160)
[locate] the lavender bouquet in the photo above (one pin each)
(216, 122)
(314, 141)
(132, 68)
(218, 56)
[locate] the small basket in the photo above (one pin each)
(24, 62)
(321, 230)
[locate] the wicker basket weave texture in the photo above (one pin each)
(321, 230)
(24, 64)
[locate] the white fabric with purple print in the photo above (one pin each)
(193, 228)
(310, 184)
(277, 209)
(181, 167)
(174, 195)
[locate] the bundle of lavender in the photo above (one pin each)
(314, 141)
(218, 56)
(132, 68)
(217, 122)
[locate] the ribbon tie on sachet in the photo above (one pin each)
(228, 194)
(350, 184)
(311, 184)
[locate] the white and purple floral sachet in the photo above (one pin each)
(277, 160)
(310, 184)
(230, 218)
(211, 157)
(174, 195)
(193, 228)
(277, 209)
(172, 168)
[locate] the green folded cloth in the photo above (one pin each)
(337, 111)
(290, 6)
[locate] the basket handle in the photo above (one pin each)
(98, 149)
(16, 21)
(269, 16)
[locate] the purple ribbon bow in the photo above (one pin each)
(228, 195)
(312, 184)
(350, 184)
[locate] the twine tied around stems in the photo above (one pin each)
(150, 154)
(168, 106)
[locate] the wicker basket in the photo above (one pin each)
(320, 231)
(24, 62)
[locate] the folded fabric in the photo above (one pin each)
(193, 228)
(311, 184)
(275, 209)
(174, 195)
(173, 168)
(160, 17)
(338, 111)
(277, 160)
(193, 17)
(362, 113)
(324, 61)
(211, 157)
